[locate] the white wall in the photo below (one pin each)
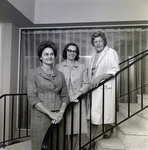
(9, 68)
(81, 11)
(0, 58)
(26, 7)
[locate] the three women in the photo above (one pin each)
(47, 89)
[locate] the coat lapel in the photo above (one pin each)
(102, 55)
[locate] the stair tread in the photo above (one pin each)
(145, 96)
(19, 146)
(111, 143)
(134, 107)
(129, 126)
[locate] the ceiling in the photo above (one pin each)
(8, 14)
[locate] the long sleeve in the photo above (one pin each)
(32, 89)
(85, 83)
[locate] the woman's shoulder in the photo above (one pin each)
(35, 70)
(59, 73)
(111, 50)
(59, 65)
(80, 65)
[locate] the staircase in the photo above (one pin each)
(131, 134)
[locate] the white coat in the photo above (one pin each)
(107, 63)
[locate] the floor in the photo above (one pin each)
(19, 146)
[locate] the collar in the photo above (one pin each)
(42, 73)
(76, 64)
(106, 48)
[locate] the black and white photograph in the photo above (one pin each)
(73, 75)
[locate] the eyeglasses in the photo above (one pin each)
(70, 51)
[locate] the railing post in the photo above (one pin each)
(27, 118)
(80, 123)
(128, 84)
(103, 108)
(116, 101)
(141, 84)
(4, 121)
(72, 115)
(12, 117)
(90, 98)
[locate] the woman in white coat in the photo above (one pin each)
(104, 63)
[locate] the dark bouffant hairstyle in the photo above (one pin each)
(65, 50)
(45, 44)
(98, 34)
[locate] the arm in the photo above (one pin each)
(84, 88)
(113, 61)
(64, 98)
(32, 93)
(99, 79)
(53, 115)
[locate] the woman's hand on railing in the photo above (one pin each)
(74, 98)
(100, 79)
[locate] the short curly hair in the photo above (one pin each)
(45, 44)
(65, 50)
(98, 34)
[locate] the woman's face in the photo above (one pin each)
(71, 52)
(47, 56)
(98, 44)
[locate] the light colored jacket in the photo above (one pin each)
(107, 63)
(78, 76)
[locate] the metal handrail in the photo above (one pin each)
(13, 98)
(101, 84)
(52, 126)
(133, 57)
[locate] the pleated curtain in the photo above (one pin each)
(126, 41)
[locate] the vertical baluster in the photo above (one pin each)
(80, 123)
(142, 84)
(128, 87)
(51, 141)
(116, 100)
(103, 109)
(19, 116)
(72, 115)
(12, 114)
(64, 132)
(27, 109)
(57, 137)
(90, 97)
(4, 121)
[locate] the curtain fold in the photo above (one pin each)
(126, 41)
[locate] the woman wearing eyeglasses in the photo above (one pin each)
(77, 84)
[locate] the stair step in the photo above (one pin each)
(132, 126)
(134, 107)
(133, 135)
(109, 144)
(145, 99)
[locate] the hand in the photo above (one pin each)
(96, 82)
(74, 99)
(56, 117)
(100, 79)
